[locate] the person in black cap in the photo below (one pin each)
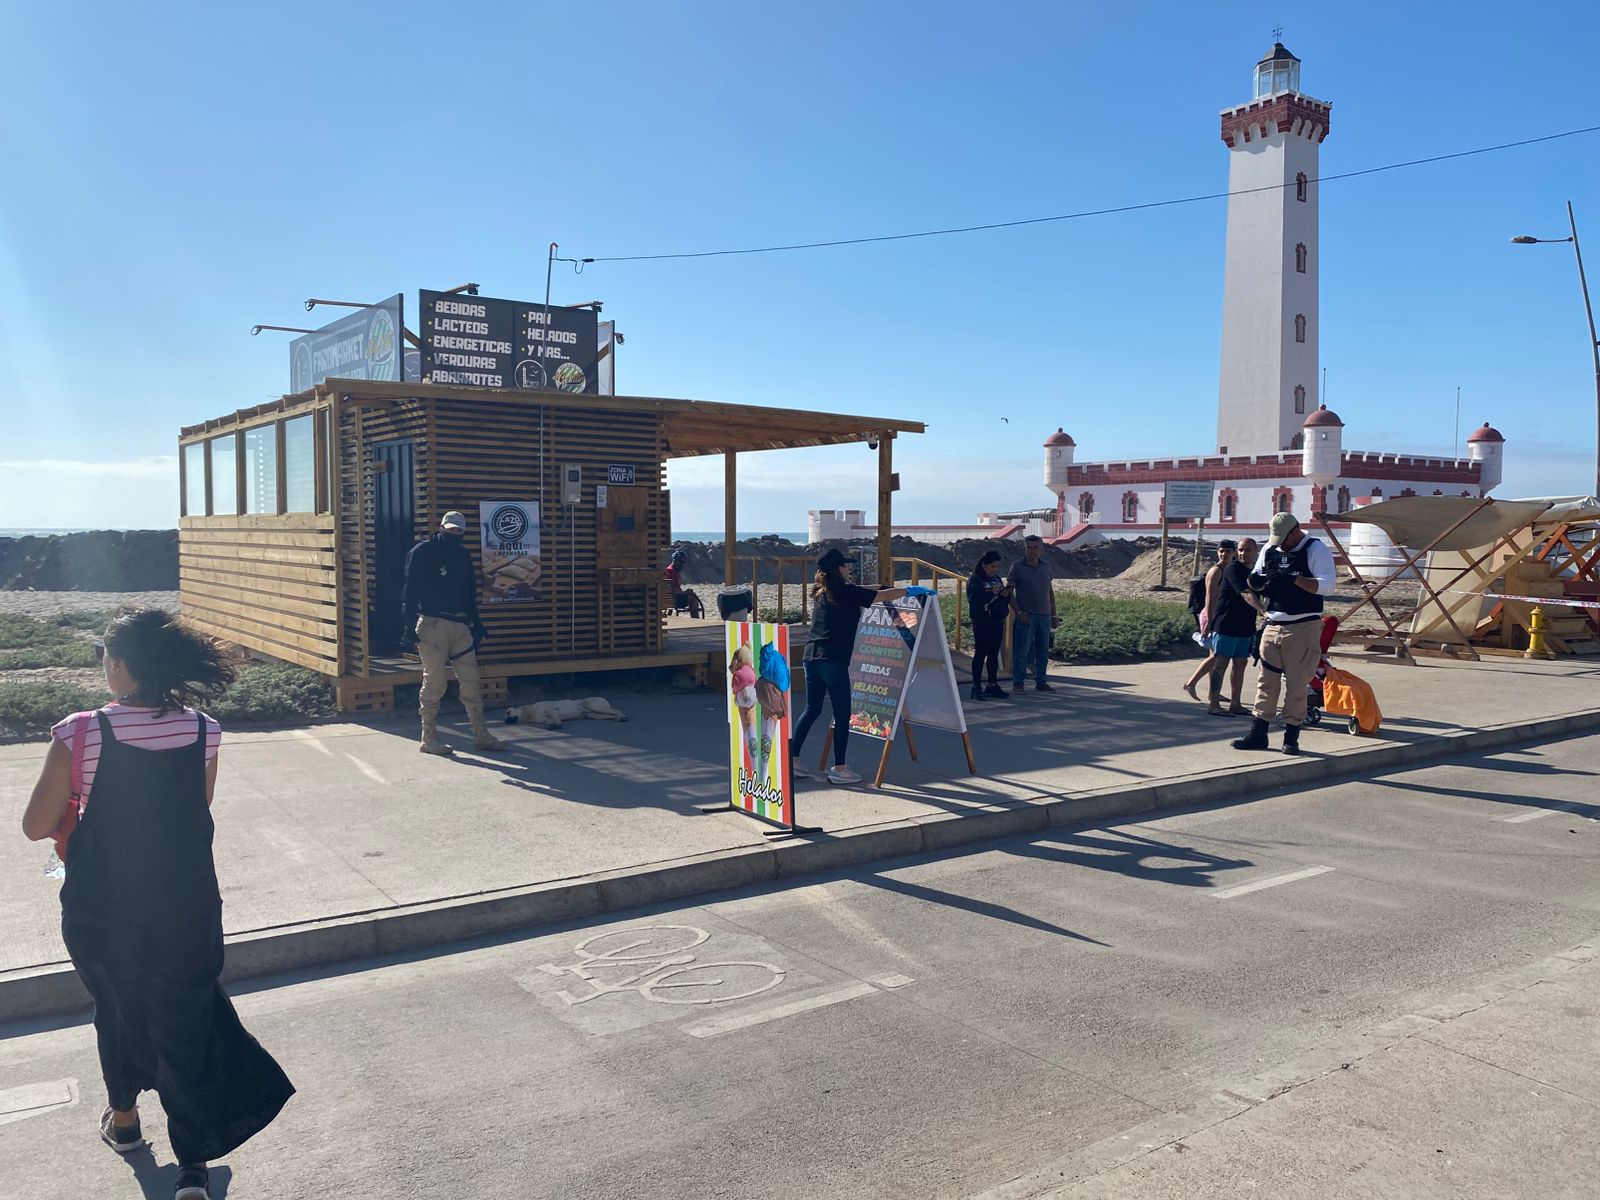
(836, 607)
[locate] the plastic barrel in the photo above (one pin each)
(735, 603)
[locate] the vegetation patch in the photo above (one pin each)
(27, 710)
(273, 692)
(1096, 629)
(27, 643)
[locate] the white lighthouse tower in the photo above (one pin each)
(1058, 449)
(1269, 305)
(1486, 446)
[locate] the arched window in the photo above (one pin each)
(1228, 504)
(1085, 505)
(1130, 507)
(1300, 327)
(1298, 441)
(1299, 398)
(1300, 258)
(1300, 182)
(1344, 499)
(1282, 499)
(1319, 498)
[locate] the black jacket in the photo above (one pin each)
(440, 582)
(986, 603)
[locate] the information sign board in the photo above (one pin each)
(476, 341)
(759, 720)
(364, 345)
(1188, 498)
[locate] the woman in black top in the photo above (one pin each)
(1233, 625)
(988, 599)
(837, 606)
(142, 916)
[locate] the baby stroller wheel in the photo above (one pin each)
(1313, 716)
(1355, 725)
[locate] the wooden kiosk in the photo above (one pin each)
(297, 516)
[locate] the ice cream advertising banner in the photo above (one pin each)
(759, 720)
(509, 533)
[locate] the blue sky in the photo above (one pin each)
(176, 173)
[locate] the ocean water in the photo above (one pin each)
(13, 533)
(700, 535)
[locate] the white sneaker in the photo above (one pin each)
(842, 774)
(799, 770)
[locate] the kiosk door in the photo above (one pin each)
(394, 532)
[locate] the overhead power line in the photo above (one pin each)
(1092, 212)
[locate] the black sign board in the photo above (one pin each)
(886, 639)
(364, 345)
(475, 341)
(623, 476)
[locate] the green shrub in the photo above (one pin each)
(273, 692)
(72, 654)
(1102, 629)
(789, 616)
(29, 709)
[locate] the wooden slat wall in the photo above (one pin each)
(268, 583)
(492, 451)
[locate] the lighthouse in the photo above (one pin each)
(1269, 303)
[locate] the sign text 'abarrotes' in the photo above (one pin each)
(476, 341)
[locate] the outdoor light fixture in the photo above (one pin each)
(310, 304)
(255, 329)
(597, 305)
(470, 289)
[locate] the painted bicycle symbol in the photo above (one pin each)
(653, 960)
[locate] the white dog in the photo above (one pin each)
(550, 713)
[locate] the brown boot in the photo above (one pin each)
(482, 739)
(430, 738)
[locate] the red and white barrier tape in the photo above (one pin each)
(1553, 601)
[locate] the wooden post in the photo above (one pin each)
(1199, 541)
(1163, 582)
(885, 509)
(730, 509)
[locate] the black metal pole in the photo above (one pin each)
(1594, 342)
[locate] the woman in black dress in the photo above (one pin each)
(989, 601)
(141, 914)
(837, 605)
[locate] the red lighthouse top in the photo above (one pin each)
(1323, 416)
(1059, 438)
(1485, 433)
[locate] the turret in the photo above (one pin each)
(1322, 455)
(1058, 448)
(1486, 447)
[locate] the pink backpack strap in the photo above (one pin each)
(80, 734)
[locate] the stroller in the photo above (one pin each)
(1340, 693)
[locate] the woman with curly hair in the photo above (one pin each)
(141, 914)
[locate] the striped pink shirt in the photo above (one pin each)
(136, 727)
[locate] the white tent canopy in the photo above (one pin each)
(1422, 520)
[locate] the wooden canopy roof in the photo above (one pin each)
(693, 427)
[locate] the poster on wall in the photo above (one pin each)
(509, 533)
(759, 720)
(364, 345)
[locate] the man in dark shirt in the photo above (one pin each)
(439, 619)
(1033, 602)
(1231, 624)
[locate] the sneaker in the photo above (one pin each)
(799, 770)
(996, 692)
(842, 774)
(1042, 686)
(977, 693)
(125, 1139)
(193, 1184)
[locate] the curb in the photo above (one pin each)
(54, 989)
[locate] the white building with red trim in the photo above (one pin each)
(1274, 452)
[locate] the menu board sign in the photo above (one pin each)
(886, 641)
(476, 341)
(364, 345)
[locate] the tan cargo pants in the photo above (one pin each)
(443, 644)
(1289, 656)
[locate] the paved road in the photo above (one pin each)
(1384, 988)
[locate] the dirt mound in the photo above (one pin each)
(104, 560)
(1146, 569)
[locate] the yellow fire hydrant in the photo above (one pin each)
(1537, 647)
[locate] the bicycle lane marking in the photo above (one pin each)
(718, 1026)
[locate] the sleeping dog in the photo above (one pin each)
(549, 714)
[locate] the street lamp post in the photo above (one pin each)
(1588, 309)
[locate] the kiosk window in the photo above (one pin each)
(224, 477)
(194, 480)
(261, 469)
(299, 465)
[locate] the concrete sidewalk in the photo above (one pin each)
(342, 840)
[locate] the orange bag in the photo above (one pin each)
(1347, 695)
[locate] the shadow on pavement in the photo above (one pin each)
(157, 1182)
